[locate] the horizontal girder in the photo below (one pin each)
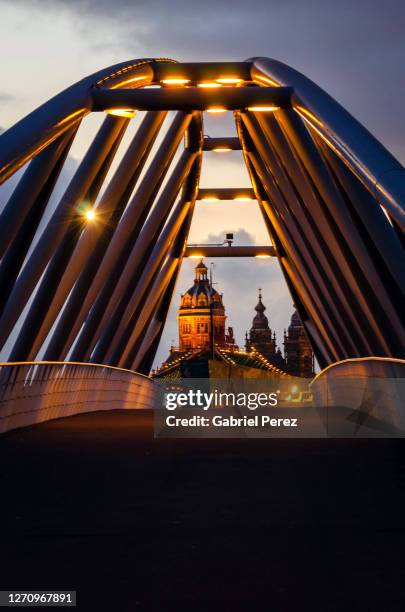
(196, 251)
(192, 98)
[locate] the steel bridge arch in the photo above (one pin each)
(331, 196)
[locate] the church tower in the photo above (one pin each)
(299, 357)
(201, 316)
(261, 338)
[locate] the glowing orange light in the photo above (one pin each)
(209, 199)
(131, 80)
(71, 116)
(267, 80)
(216, 109)
(243, 198)
(195, 256)
(308, 114)
(175, 81)
(129, 113)
(262, 256)
(229, 80)
(90, 215)
(208, 85)
(263, 109)
(222, 149)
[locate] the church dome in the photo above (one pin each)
(201, 294)
(260, 321)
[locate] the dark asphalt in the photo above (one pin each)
(94, 503)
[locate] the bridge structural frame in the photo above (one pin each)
(96, 285)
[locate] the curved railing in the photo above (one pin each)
(362, 397)
(34, 392)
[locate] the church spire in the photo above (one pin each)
(260, 307)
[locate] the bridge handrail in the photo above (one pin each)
(36, 391)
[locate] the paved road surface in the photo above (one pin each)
(93, 503)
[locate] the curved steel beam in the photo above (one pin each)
(38, 129)
(380, 172)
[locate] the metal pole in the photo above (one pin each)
(23, 235)
(313, 255)
(324, 238)
(140, 293)
(40, 128)
(33, 331)
(33, 189)
(138, 257)
(356, 267)
(58, 226)
(94, 241)
(161, 282)
(370, 215)
(194, 142)
(302, 278)
(124, 237)
(375, 167)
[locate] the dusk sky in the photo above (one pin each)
(354, 49)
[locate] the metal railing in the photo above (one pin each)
(33, 392)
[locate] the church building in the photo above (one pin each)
(204, 339)
(298, 359)
(201, 316)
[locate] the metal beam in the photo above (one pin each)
(25, 208)
(202, 71)
(221, 144)
(321, 349)
(226, 193)
(94, 242)
(191, 98)
(133, 267)
(37, 130)
(314, 256)
(356, 265)
(124, 237)
(200, 250)
(143, 286)
(373, 165)
(37, 321)
(66, 213)
(177, 249)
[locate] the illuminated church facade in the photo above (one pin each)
(201, 316)
(203, 335)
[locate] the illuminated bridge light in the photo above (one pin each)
(209, 199)
(195, 256)
(208, 85)
(176, 81)
(263, 109)
(222, 150)
(262, 256)
(243, 198)
(216, 109)
(90, 215)
(229, 80)
(129, 113)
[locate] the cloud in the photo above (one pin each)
(5, 97)
(354, 50)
